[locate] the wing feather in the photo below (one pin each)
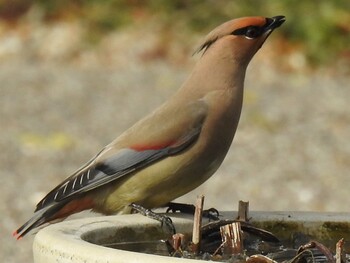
(123, 162)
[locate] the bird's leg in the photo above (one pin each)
(164, 220)
(211, 213)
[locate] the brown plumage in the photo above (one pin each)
(178, 146)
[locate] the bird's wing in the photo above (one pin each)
(111, 163)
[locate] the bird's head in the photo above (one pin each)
(241, 37)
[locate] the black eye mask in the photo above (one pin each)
(252, 32)
(249, 31)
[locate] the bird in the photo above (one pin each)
(176, 147)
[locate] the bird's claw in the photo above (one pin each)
(211, 213)
(164, 220)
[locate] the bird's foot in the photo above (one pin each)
(211, 213)
(164, 220)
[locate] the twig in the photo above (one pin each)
(260, 259)
(178, 241)
(231, 236)
(197, 225)
(243, 211)
(301, 254)
(339, 255)
(322, 248)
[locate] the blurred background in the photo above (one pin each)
(74, 74)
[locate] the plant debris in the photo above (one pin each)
(237, 240)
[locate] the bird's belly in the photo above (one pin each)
(161, 182)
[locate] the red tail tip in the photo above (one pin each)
(15, 235)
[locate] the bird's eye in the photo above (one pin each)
(249, 32)
(252, 32)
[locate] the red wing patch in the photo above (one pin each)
(141, 148)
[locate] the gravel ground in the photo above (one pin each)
(291, 151)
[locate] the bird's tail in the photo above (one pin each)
(39, 218)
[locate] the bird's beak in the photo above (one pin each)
(271, 24)
(274, 22)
